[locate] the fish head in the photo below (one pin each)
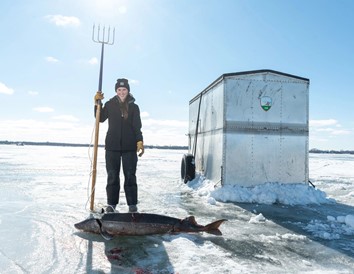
(89, 225)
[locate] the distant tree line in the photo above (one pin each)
(315, 150)
(19, 143)
(22, 143)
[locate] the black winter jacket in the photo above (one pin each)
(122, 134)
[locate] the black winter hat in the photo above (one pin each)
(122, 82)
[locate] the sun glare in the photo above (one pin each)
(109, 6)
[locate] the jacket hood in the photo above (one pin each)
(130, 98)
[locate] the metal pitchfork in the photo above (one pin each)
(102, 39)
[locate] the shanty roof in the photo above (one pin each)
(261, 71)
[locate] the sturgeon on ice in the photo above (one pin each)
(144, 224)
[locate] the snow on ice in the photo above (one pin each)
(269, 193)
(275, 193)
(271, 228)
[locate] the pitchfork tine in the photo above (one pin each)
(114, 31)
(109, 32)
(103, 38)
(98, 33)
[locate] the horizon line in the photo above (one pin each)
(6, 142)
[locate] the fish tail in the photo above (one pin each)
(213, 228)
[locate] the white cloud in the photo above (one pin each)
(169, 123)
(165, 132)
(134, 82)
(332, 131)
(6, 90)
(341, 132)
(66, 129)
(33, 93)
(329, 127)
(321, 123)
(68, 118)
(329, 134)
(106, 8)
(63, 21)
(144, 114)
(40, 131)
(43, 109)
(51, 59)
(122, 9)
(93, 61)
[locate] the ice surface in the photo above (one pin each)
(272, 228)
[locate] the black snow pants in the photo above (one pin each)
(129, 160)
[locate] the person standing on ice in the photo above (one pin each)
(124, 140)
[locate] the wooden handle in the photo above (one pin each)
(95, 150)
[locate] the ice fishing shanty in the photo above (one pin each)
(250, 128)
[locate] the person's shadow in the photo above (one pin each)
(126, 254)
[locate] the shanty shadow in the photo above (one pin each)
(126, 254)
(311, 221)
(289, 233)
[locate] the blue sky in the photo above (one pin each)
(170, 51)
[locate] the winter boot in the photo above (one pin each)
(133, 208)
(110, 209)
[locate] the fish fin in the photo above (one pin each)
(213, 228)
(192, 220)
(104, 233)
